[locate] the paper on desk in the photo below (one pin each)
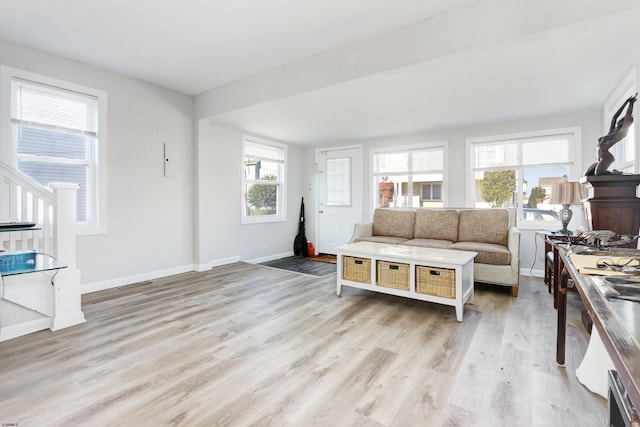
(583, 261)
(619, 287)
(626, 288)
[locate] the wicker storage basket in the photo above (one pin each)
(356, 269)
(440, 282)
(393, 275)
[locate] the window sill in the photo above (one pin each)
(88, 230)
(539, 225)
(262, 220)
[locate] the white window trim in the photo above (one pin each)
(575, 171)
(627, 87)
(260, 219)
(397, 148)
(431, 184)
(97, 224)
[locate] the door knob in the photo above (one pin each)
(320, 211)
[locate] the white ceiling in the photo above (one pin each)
(565, 70)
(193, 46)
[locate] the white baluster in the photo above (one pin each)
(65, 222)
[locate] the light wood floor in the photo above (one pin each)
(247, 345)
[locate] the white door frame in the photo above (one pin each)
(359, 147)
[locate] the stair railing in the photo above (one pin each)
(52, 210)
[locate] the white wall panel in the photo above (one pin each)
(150, 218)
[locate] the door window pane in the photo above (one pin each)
(339, 182)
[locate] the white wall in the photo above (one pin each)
(150, 229)
(222, 238)
(153, 220)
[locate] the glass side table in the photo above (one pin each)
(17, 317)
(44, 262)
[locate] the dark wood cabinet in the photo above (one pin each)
(612, 203)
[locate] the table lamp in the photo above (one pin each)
(566, 194)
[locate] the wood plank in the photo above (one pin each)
(248, 345)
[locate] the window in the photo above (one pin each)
(263, 184)
(519, 170)
(411, 177)
(431, 191)
(57, 136)
(339, 182)
(624, 150)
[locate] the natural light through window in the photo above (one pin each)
(519, 171)
(411, 177)
(58, 135)
(263, 183)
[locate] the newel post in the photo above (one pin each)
(65, 221)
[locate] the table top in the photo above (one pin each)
(43, 263)
(618, 323)
(416, 253)
(6, 227)
(552, 236)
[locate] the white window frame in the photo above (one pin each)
(574, 166)
(628, 87)
(97, 193)
(444, 145)
(281, 183)
(431, 184)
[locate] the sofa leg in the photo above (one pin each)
(514, 291)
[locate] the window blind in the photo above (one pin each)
(535, 151)
(43, 107)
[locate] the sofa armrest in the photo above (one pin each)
(362, 230)
(513, 244)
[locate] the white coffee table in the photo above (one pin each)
(370, 254)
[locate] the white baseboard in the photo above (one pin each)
(269, 258)
(66, 321)
(122, 281)
(24, 328)
(532, 273)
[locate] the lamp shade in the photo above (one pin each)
(566, 193)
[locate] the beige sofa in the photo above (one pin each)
(489, 232)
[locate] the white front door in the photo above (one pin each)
(339, 196)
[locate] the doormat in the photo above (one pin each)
(323, 258)
(302, 265)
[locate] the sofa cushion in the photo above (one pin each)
(394, 223)
(484, 226)
(488, 253)
(383, 239)
(436, 224)
(429, 243)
